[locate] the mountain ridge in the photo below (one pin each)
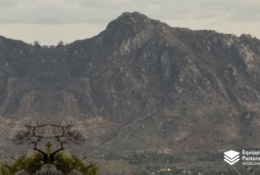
(140, 85)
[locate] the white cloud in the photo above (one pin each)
(100, 11)
(47, 16)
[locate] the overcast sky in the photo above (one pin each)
(50, 21)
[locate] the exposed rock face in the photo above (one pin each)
(141, 84)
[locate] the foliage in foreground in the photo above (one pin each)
(47, 161)
(34, 164)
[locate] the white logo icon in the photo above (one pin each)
(231, 157)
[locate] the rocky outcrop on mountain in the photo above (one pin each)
(141, 85)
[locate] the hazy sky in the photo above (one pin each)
(50, 21)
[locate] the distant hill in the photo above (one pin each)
(141, 85)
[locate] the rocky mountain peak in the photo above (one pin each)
(131, 31)
(141, 85)
(129, 18)
(128, 24)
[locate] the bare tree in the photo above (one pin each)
(36, 134)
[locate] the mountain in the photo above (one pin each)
(140, 87)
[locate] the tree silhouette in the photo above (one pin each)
(60, 44)
(48, 161)
(36, 43)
